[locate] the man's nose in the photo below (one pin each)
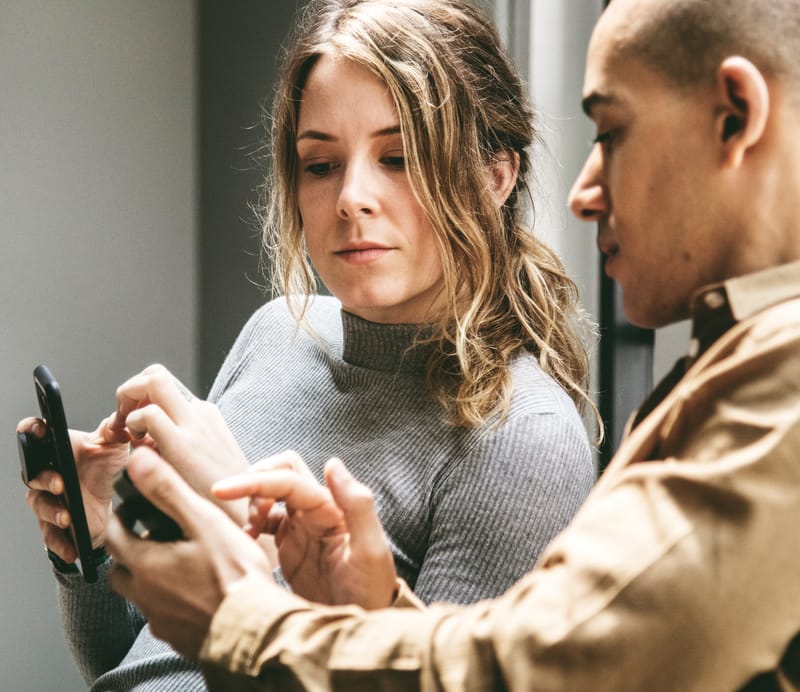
(588, 199)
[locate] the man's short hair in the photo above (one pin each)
(686, 40)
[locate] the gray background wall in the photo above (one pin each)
(98, 262)
(127, 134)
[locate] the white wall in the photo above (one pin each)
(548, 38)
(559, 34)
(97, 267)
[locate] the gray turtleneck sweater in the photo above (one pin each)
(467, 511)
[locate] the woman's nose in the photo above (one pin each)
(358, 196)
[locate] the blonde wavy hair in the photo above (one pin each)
(461, 106)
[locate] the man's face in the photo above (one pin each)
(652, 181)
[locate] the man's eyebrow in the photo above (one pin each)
(594, 99)
(325, 137)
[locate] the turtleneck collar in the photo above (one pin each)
(385, 347)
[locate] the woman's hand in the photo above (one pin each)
(160, 412)
(99, 456)
(331, 545)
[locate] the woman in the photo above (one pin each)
(446, 368)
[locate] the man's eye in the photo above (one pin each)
(604, 140)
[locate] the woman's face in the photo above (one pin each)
(367, 235)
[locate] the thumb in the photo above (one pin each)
(358, 506)
(160, 483)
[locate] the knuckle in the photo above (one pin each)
(293, 458)
(34, 500)
(208, 410)
(29, 497)
(160, 488)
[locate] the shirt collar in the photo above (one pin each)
(718, 307)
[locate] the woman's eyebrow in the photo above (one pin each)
(316, 134)
(383, 132)
(326, 137)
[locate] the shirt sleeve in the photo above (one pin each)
(678, 573)
(405, 597)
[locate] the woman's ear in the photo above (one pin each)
(504, 168)
(743, 100)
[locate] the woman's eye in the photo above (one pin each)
(398, 162)
(319, 169)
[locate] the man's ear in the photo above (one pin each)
(504, 168)
(743, 98)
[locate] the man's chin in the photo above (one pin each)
(651, 315)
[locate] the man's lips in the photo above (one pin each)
(610, 251)
(607, 246)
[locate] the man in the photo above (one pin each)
(681, 569)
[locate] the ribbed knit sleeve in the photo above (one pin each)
(100, 626)
(495, 510)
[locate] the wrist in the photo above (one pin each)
(98, 557)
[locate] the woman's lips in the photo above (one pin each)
(363, 255)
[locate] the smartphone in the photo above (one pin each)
(140, 515)
(54, 451)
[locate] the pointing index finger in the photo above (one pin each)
(155, 385)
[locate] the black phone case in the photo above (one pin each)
(141, 516)
(54, 451)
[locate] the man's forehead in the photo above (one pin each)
(628, 13)
(617, 26)
(624, 83)
(610, 64)
(600, 74)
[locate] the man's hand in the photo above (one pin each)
(331, 545)
(179, 586)
(99, 456)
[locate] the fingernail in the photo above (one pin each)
(338, 470)
(62, 519)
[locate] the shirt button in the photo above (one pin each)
(714, 300)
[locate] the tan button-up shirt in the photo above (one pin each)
(680, 572)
